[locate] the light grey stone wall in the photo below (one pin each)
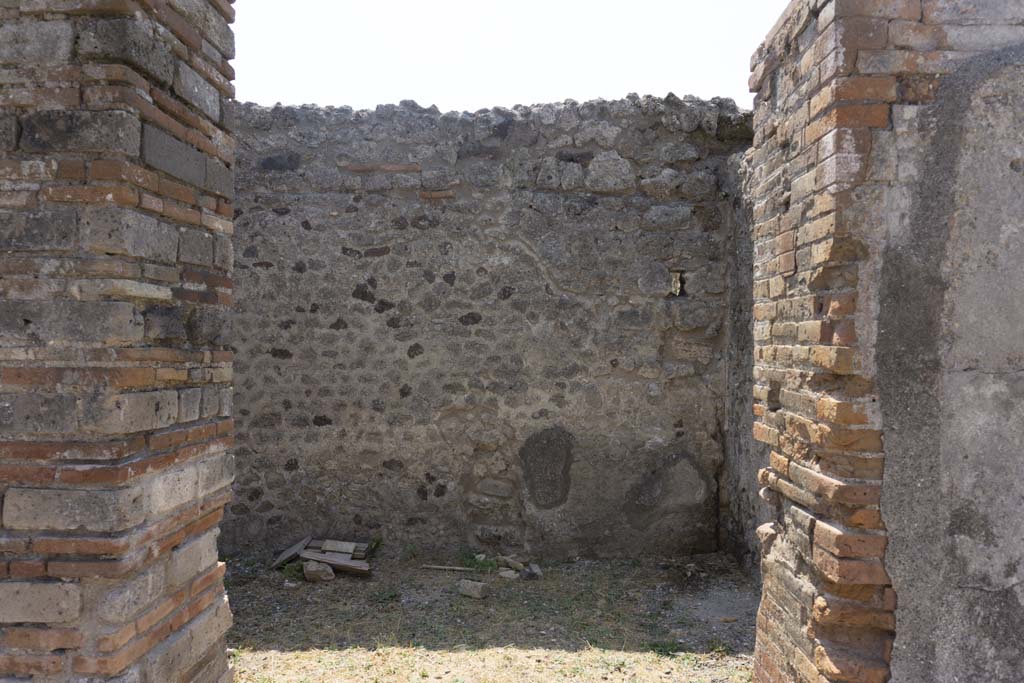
(501, 329)
(950, 359)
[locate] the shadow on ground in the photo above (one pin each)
(406, 623)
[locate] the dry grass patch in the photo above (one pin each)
(633, 621)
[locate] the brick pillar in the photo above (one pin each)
(841, 86)
(827, 605)
(115, 378)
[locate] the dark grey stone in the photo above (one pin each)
(37, 413)
(81, 131)
(53, 321)
(195, 247)
(119, 230)
(45, 230)
(168, 154)
(286, 161)
(197, 90)
(547, 466)
(219, 178)
(8, 132)
(210, 23)
(209, 326)
(128, 40)
(36, 42)
(166, 324)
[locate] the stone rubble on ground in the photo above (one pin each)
(474, 589)
(317, 572)
(532, 572)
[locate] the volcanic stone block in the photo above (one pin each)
(124, 601)
(195, 89)
(171, 489)
(37, 413)
(112, 321)
(50, 603)
(196, 246)
(219, 178)
(53, 229)
(168, 154)
(38, 42)
(128, 40)
(609, 173)
(215, 473)
(81, 131)
(166, 324)
(128, 413)
(8, 133)
(74, 509)
(117, 230)
(190, 560)
(209, 22)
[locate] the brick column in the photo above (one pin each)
(839, 86)
(115, 394)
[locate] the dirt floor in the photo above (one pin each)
(636, 620)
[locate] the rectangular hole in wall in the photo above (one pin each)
(678, 284)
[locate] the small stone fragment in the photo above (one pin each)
(532, 573)
(317, 572)
(474, 589)
(508, 574)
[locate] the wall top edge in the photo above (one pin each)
(632, 103)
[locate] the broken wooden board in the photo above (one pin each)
(446, 568)
(330, 546)
(340, 561)
(292, 552)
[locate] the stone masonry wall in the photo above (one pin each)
(115, 377)
(886, 143)
(500, 329)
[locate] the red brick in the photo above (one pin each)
(92, 194)
(26, 569)
(29, 665)
(112, 642)
(840, 664)
(846, 544)
(848, 116)
(833, 611)
(41, 639)
(846, 570)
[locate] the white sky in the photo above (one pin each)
(474, 54)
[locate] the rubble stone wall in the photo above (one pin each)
(115, 375)
(884, 185)
(504, 329)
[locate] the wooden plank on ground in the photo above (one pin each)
(315, 544)
(446, 568)
(292, 552)
(341, 562)
(330, 546)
